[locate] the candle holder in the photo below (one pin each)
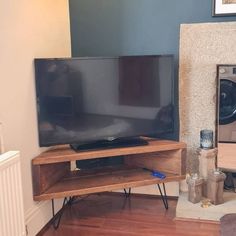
(206, 139)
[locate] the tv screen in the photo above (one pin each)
(84, 100)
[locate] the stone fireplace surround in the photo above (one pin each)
(202, 48)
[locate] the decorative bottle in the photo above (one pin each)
(195, 188)
(215, 186)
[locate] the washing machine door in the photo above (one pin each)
(227, 106)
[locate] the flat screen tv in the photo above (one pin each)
(90, 100)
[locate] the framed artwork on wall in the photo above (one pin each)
(224, 8)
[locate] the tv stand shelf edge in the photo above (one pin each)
(52, 177)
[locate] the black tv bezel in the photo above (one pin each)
(149, 134)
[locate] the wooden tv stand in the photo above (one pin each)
(52, 177)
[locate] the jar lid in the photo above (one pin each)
(217, 171)
(194, 176)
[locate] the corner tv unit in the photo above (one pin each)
(104, 99)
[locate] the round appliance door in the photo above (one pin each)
(227, 107)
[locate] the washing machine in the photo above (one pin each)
(227, 103)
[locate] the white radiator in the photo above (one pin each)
(11, 199)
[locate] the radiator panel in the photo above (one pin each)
(11, 198)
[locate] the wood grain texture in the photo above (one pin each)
(44, 176)
(183, 161)
(226, 156)
(105, 179)
(114, 215)
(65, 153)
(52, 178)
(168, 161)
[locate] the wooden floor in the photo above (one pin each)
(112, 214)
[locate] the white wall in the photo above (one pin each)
(28, 29)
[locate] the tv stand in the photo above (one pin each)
(105, 144)
(52, 177)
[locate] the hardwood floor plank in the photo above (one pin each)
(113, 214)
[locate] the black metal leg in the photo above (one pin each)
(127, 203)
(57, 217)
(127, 194)
(163, 197)
(71, 200)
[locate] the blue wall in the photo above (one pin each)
(134, 27)
(121, 27)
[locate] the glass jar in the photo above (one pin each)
(206, 139)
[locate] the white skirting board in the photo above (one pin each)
(39, 215)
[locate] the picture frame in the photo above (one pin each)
(223, 7)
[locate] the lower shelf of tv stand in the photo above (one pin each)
(101, 180)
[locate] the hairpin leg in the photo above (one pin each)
(57, 217)
(163, 197)
(127, 194)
